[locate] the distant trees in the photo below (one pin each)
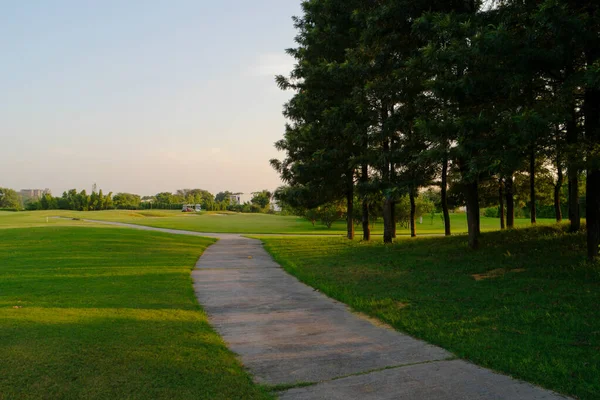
(164, 198)
(262, 198)
(48, 202)
(195, 196)
(392, 97)
(223, 196)
(126, 201)
(326, 213)
(9, 199)
(97, 201)
(73, 200)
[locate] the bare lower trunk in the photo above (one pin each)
(573, 156)
(394, 222)
(350, 209)
(557, 191)
(445, 197)
(501, 203)
(472, 197)
(573, 172)
(557, 210)
(388, 233)
(510, 202)
(532, 185)
(413, 213)
(574, 209)
(365, 206)
(365, 221)
(388, 215)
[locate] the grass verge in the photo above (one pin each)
(104, 313)
(526, 303)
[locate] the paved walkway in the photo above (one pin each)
(288, 333)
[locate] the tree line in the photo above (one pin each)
(394, 96)
(97, 200)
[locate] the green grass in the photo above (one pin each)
(105, 313)
(234, 222)
(538, 321)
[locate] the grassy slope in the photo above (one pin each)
(108, 314)
(541, 325)
(239, 223)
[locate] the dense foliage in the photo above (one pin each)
(9, 199)
(470, 96)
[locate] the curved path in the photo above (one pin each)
(287, 333)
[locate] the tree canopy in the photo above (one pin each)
(390, 98)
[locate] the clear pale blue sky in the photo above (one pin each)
(142, 95)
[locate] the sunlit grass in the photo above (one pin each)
(104, 313)
(537, 318)
(226, 222)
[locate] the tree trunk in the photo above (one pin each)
(478, 214)
(510, 201)
(388, 215)
(558, 189)
(394, 222)
(350, 208)
(574, 209)
(572, 161)
(557, 210)
(365, 221)
(365, 206)
(445, 197)
(472, 197)
(386, 170)
(501, 203)
(413, 213)
(591, 111)
(388, 233)
(532, 184)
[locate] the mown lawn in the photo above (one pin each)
(535, 316)
(235, 222)
(104, 313)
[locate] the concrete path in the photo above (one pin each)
(288, 333)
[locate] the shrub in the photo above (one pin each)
(491, 212)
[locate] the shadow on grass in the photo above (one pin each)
(100, 289)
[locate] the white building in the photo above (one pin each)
(239, 198)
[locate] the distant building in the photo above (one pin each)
(235, 198)
(239, 198)
(33, 194)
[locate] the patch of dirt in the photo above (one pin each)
(377, 322)
(496, 273)
(374, 321)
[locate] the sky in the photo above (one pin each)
(142, 96)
